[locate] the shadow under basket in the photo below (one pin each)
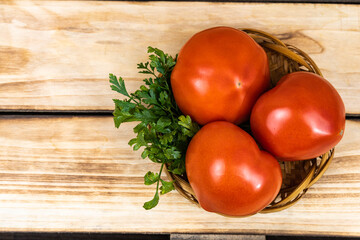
(298, 176)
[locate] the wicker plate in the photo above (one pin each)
(298, 176)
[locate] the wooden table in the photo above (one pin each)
(64, 167)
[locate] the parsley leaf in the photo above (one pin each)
(118, 85)
(151, 178)
(189, 128)
(164, 132)
(166, 187)
(152, 203)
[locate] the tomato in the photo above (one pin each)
(219, 74)
(301, 118)
(228, 172)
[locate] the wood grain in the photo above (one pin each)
(56, 55)
(79, 174)
(216, 237)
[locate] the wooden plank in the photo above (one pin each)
(79, 174)
(56, 55)
(177, 236)
(80, 236)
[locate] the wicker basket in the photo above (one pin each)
(298, 176)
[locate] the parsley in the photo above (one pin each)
(163, 132)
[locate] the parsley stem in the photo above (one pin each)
(158, 181)
(133, 99)
(152, 72)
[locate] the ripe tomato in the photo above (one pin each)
(228, 172)
(301, 118)
(219, 74)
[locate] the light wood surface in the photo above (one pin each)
(63, 173)
(56, 55)
(177, 236)
(79, 174)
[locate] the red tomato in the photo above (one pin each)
(301, 118)
(228, 172)
(219, 74)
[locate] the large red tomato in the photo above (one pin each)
(301, 118)
(219, 74)
(228, 172)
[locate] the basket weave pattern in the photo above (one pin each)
(298, 176)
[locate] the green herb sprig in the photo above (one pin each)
(163, 132)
